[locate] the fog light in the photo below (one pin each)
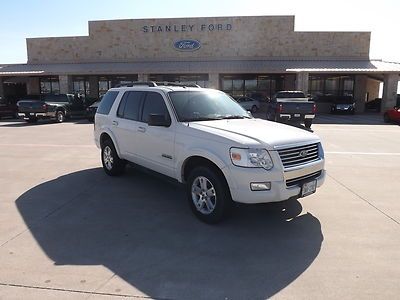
(260, 186)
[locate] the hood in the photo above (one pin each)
(257, 132)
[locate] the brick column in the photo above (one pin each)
(213, 81)
(389, 97)
(360, 92)
(65, 84)
(94, 87)
(302, 82)
(33, 86)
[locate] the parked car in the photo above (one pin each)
(207, 141)
(7, 109)
(58, 107)
(393, 115)
(91, 111)
(249, 104)
(291, 106)
(343, 104)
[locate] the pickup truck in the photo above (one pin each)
(205, 140)
(58, 107)
(7, 109)
(291, 106)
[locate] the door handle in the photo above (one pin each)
(141, 129)
(115, 123)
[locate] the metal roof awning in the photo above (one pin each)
(217, 66)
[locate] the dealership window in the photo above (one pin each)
(324, 88)
(108, 82)
(260, 87)
(49, 85)
(81, 86)
(199, 79)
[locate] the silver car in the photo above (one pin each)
(249, 104)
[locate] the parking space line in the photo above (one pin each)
(364, 153)
(365, 200)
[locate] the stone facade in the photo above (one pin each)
(220, 38)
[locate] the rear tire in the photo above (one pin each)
(208, 195)
(307, 123)
(60, 116)
(112, 164)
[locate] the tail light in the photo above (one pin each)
(279, 108)
(314, 109)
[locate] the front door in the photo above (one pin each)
(155, 144)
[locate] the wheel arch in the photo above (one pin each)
(108, 136)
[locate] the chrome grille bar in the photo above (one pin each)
(295, 156)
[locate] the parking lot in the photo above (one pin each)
(68, 231)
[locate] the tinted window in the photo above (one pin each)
(107, 102)
(56, 98)
(130, 105)
(154, 104)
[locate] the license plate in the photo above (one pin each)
(308, 188)
(297, 115)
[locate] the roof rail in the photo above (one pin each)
(137, 83)
(154, 84)
(165, 83)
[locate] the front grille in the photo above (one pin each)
(295, 156)
(300, 180)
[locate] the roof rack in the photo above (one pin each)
(154, 84)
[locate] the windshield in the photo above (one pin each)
(206, 105)
(344, 100)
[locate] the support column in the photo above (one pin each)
(360, 92)
(1, 88)
(93, 87)
(143, 77)
(302, 82)
(213, 81)
(389, 97)
(65, 84)
(33, 86)
(290, 82)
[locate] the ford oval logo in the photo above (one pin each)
(303, 153)
(187, 45)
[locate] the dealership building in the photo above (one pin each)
(254, 55)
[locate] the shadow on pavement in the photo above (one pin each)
(141, 228)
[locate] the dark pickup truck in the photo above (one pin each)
(58, 107)
(7, 108)
(291, 106)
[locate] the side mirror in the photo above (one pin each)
(159, 120)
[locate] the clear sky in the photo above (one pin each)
(41, 18)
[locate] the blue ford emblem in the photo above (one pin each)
(187, 45)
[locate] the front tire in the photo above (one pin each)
(112, 164)
(208, 195)
(254, 109)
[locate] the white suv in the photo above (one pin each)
(206, 140)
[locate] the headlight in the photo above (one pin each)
(251, 158)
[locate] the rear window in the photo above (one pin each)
(107, 102)
(56, 98)
(290, 95)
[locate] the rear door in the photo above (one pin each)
(155, 145)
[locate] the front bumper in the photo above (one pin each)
(285, 184)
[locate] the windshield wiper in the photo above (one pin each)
(201, 119)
